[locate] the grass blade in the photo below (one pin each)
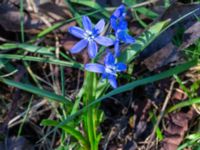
(37, 91)
(44, 60)
(184, 104)
(28, 47)
(92, 4)
(70, 130)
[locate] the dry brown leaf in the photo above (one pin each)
(161, 57)
(176, 129)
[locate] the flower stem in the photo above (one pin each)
(90, 116)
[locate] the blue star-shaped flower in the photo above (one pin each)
(119, 25)
(90, 36)
(109, 69)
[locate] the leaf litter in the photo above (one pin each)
(128, 124)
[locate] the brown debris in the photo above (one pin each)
(161, 57)
(177, 127)
(35, 17)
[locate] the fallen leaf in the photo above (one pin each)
(161, 57)
(178, 124)
(191, 35)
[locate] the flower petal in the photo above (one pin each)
(109, 59)
(120, 11)
(125, 37)
(98, 68)
(105, 75)
(105, 41)
(113, 23)
(112, 80)
(117, 51)
(123, 25)
(100, 26)
(92, 49)
(79, 46)
(87, 24)
(129, 39)
(77, 32)
(120, 67)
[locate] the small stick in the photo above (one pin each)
(161, 113)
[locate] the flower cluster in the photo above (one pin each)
(119, 25)
(91, 37)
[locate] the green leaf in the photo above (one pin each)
(147, 12)
(91, 4)
(2, 63)
(142, 42)
(184, 104)
(158, 130)
(37, 91)
(129, 2)
(192, 141)
(44, 60)
(70, 130)
(28, 47)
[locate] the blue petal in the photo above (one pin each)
(92, 49)
(117, 51)
(120, 67)
(118, 17)
(129, 39)
(112, 80)
(100, 26)
(109, 59)
(125, 37)
(118, 23)
(120, 34)
(122, 25)
(79, 46)
(105, 41)
(113, 23)
(120, 11)
(98, 68)
(77, 32)
(104, 75)
(87, 24)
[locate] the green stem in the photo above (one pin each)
(90, 116)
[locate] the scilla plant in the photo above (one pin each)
(92, 38)
(81, 120)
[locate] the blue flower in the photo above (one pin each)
(89, 37)
(121, 35)
(108, 70)
(119, 25)
(118, 15)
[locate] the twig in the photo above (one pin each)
(161, 114)
(31, 113)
